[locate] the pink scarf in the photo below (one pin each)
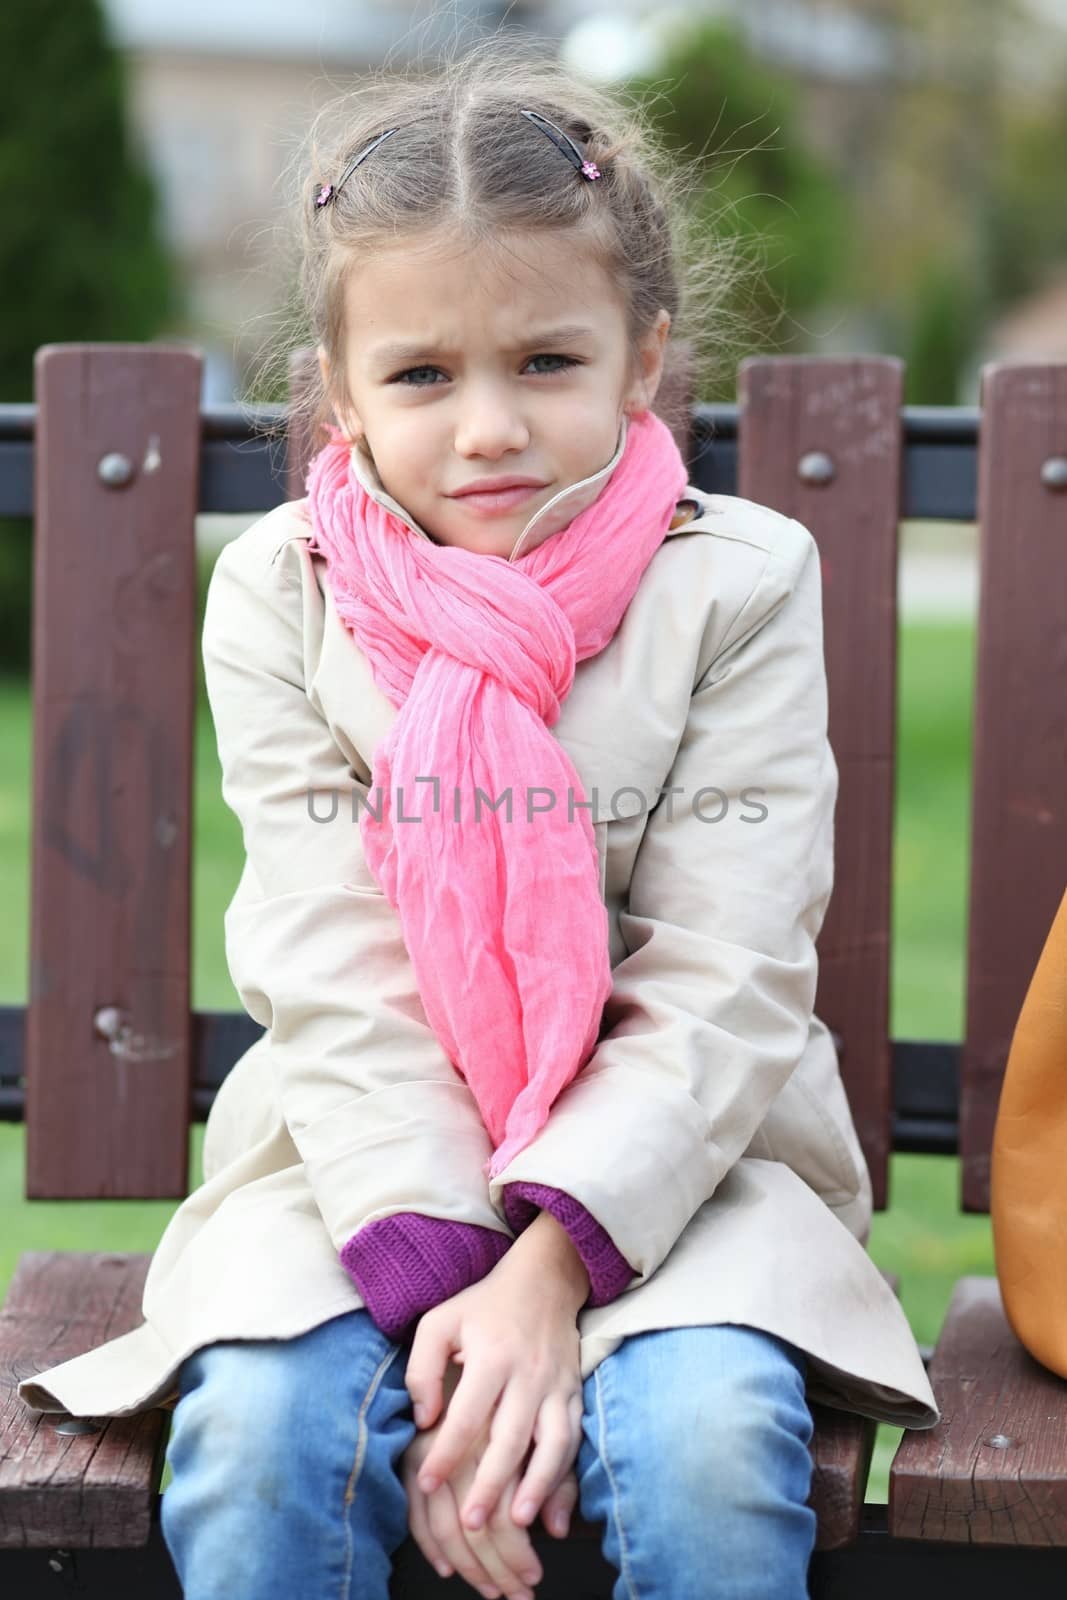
(502, 919)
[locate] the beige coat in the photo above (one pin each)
(709, 1133)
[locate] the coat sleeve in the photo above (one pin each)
(391, 1138)
(710, 1008)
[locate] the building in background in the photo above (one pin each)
(219, 94)
(222, 92)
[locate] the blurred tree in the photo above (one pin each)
(947, 165)
(1026, 221)
(713, 102)
(961, 213)
(81, 251)
(945, 322)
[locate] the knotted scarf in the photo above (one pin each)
(498, 900)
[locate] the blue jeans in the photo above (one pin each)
(285, 1456)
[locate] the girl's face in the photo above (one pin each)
(460, 371)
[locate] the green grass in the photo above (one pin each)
(922, 1236)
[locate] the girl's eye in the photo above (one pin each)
(412, 372)
(400, 377)
(568, 361)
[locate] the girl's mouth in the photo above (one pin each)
(490, 503)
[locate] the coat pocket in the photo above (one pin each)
(619, 811)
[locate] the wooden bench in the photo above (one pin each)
(108, 1063)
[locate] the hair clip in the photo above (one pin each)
(564, 142)
(329, 190)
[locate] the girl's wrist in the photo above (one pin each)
(550, 1247)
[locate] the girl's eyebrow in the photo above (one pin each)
(388, 355)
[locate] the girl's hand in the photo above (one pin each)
(515, 1334)
(499, 1557)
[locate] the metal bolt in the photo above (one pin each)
(1054, 472)
(115, 470)
(77, 1425)
(123, 1039)
(999, 1441)
(816, 467)
(108, 1022)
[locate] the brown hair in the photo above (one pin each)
(466, 164)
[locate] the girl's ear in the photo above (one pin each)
(350, 423)
(650, 348)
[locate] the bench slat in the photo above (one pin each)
(841, 1449)
(994, 1470)
(73, 1490)
(99, 1489)
(1018, 863)
(847, 411)
(114, 636)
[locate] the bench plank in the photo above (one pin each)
(821, 439)
(994, 1470)
(99, 1489)
(76, 1490)
(108, 1068)
(841, 1449)
(1018, 863)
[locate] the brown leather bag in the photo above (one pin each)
(1028, 1178)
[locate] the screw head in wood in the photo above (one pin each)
(108, 1022)
(1054, 472)
(816, 467)
(115, 470)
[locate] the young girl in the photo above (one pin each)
(540, 1190)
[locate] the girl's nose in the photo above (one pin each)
(489, 426)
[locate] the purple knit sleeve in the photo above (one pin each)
(608, 1269)
(406, 1263)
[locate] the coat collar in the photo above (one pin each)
(585, 491)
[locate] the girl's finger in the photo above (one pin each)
(553, 1453)
(426, 1372)
(443, 1517)
(422, 1533)
(559, 1507)
(509, 1440)
(468, 1414)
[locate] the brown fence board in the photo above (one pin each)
(114, 609)
(1019, 795)
(849, 411)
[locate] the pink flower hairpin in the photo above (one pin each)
(564, 142)
(329, 190)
